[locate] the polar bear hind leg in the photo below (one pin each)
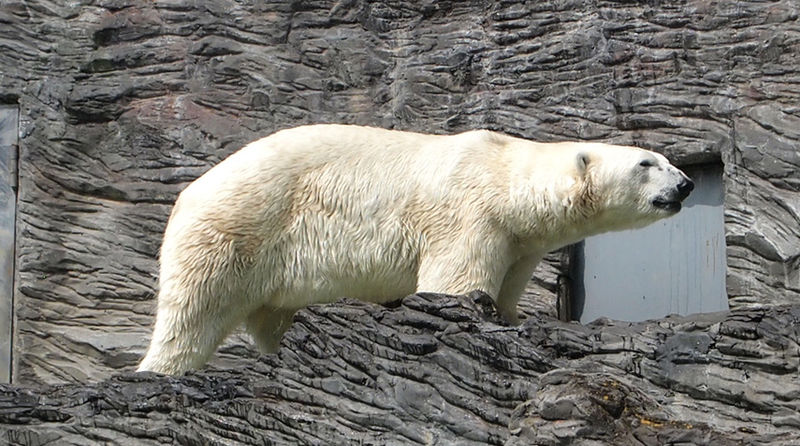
(267, 325)
(199, 304)
(184, 339)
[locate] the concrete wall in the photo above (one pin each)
(9, 131)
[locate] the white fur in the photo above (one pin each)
(311, 214)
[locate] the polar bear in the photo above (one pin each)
(311, 214)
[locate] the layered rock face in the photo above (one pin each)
(121, 104)
(444, 370)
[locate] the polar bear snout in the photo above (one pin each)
(685, 187)
(671, 199)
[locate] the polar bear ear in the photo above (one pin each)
(582, 162)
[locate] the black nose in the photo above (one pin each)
(685, 187)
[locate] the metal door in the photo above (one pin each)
(9, 117)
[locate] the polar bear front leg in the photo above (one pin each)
(454, 273)
(513, 286)
(267, 325)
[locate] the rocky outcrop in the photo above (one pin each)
(122, 103)
(443, 370)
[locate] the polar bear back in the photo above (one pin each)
(350, 163)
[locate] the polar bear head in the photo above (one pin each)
(630, 187)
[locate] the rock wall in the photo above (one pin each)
(122, 103)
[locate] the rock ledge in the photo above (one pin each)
(445, 370)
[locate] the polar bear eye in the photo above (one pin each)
(647, 163)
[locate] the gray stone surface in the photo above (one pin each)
(442, 370)
(122, 103)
